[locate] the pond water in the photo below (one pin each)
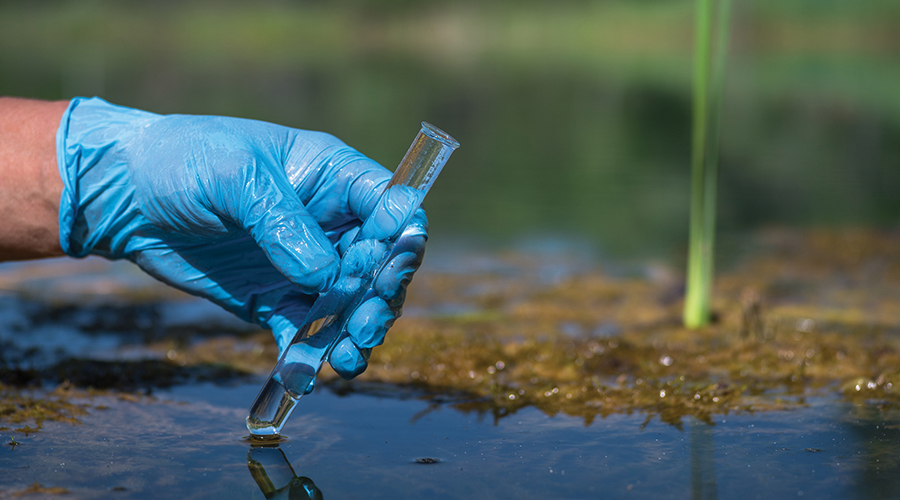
(164, 423)
(187, 444)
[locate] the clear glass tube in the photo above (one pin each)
(325, 323)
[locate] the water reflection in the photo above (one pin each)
(703, 464)
(875, 429)
(276, 478)
(860, 457)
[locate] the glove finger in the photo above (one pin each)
(406, 258)
(342, 170)
(346, 240)
(394, 210)
(337, 184)
(347, 360)
(391, 284)
(369, 323)
(417, 226)
(290, 237)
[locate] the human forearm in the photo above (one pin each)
(30, 185)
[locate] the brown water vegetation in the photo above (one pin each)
(18, 407)
(808, 315)
(38, 489)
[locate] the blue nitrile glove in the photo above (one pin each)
(247, 214)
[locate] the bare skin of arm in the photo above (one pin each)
(30, 186)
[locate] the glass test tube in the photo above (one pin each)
(325, 323)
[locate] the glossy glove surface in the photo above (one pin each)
(250, 215)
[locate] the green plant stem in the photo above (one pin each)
(708, 83)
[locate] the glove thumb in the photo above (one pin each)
(290, 237)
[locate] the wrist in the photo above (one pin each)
(98, 211)
(29, 182)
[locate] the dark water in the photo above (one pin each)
(187, 445)
(184, 439)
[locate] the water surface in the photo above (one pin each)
(186, 444)
(175, 378)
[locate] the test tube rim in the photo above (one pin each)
(439, 135)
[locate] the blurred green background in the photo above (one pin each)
(574, 116)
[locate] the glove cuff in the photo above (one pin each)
(97, 212)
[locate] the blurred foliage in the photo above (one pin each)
(573, 116)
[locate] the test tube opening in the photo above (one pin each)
(439, 135)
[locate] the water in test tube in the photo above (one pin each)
(326, 321)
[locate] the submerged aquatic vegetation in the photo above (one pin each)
(25, 405)
(812, 314)
(809, 314)
(38, 488)
(23, 409)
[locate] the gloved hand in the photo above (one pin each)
(249, 215)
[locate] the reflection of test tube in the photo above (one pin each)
(275, 476)
(325, 323)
